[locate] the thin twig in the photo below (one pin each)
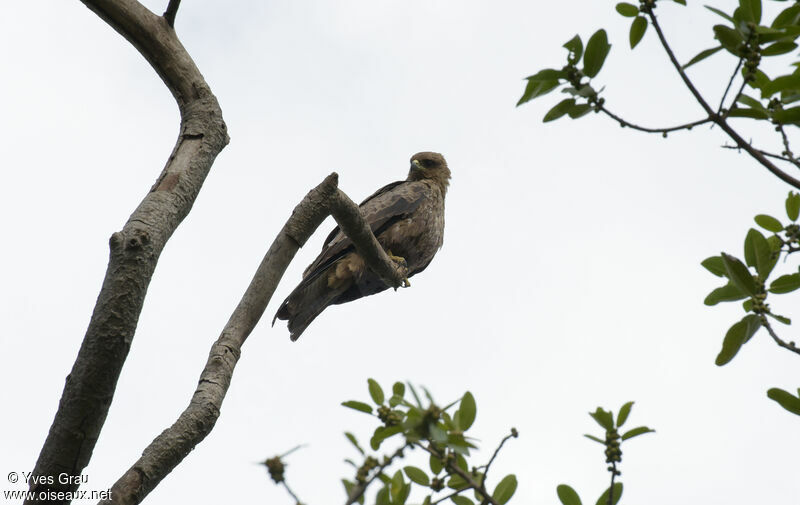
(513, 434)
(728, 88)
(624, 123)
(733, 102)
(786, 345)
(360, 489)
(288, 490)
(454, 493)
(765, 153)
(172, 10)
(786, 147)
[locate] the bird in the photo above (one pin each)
(407, 218)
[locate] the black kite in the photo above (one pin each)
(407, 218)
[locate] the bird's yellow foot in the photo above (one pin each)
(401, 261)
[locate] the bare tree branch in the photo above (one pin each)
(172, 10)
(353, 225)
(135, 249)
(198, 419)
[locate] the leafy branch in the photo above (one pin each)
(745, 38)
(613, 444)
(421, 425)
(761, 254)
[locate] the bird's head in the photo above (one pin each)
(432, 166)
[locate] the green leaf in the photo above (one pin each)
(701, 56)
(787, 116)
(638, 27)
(567, 495)
(785, 284)
(574, 46)
(751, 113)
(457, 482)
(778, 48)
(461, 500)
(736, 336)
(465, 415)
(437, 434)
(435, 464)
(682, 2)
(505, 489)
(399, 389)
(784, 320)
(548, 74)
(580, 110)
(603, 500)
(739, 275)
(461, 462)
(353, 441)
(727, 293)
(427, 500)
(603, 418)
(775, 243)
(360, 406)
(768, 223)
(627, 10)
(375, 391)
(751, 10)
(592, 437)
(758, 253)
(729, 38)
(417, 475)
(717, 11)
(623, 414)
(641, 430)
(559, 110)
(714, 265)
(397, 482)
(382, 433)
(793, 205)
(781, 84)
(383, 497)
(596, 51)
(788, 17)
(749, 101)
(785, 399)
(535, 89)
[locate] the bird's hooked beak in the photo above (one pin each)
(416, 167)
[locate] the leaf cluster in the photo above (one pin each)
(761, 254)
(613, 444)
(750, 280)
(438, 431)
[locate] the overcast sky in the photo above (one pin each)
(569, 276)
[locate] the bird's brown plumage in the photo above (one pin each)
(407, 218)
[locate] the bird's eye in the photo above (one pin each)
(427, 163)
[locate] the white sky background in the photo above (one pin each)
(569, 276)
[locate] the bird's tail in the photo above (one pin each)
(306, 302)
